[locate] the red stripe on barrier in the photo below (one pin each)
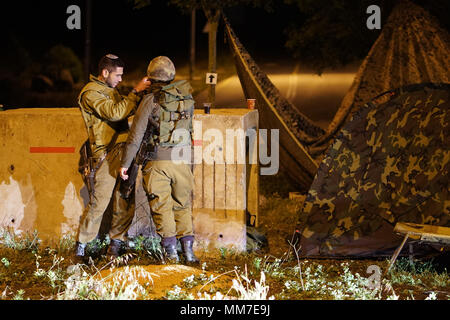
(52, 149)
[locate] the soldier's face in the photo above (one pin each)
(113, 78)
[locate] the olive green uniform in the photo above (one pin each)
(169, 182)
(105, 114)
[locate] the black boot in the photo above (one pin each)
(80, 249)
(80, 252)
(169, 246)
(116, 248)
(188, 254)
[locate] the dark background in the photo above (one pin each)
(30, 28)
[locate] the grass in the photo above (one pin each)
(130, 283)
(18, 241)
(409, 275)
(32, 271)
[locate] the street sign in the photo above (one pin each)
(211, 78)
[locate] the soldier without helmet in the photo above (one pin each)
(105, 114)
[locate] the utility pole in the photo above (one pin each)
(192, 52)
(87, 40)
(213, 20)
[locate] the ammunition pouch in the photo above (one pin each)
(175, 113)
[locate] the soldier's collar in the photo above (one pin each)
(97, 80)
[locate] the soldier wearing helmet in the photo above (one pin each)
(161, 69)
(166, 113)
(105, 114)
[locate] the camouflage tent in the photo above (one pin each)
(276, 112)
(412, 48)
(388, 164)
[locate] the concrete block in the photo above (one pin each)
(39, 182)
(41, 189)
(226, 183)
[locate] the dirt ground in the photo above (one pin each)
(32, 271)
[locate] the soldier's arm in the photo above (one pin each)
(107, 108)
(137, 130)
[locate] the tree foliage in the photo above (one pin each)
(60, 57)
(334, 32)
(327, 33)
(208, 6)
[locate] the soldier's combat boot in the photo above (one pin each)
(188, 254)
(169, 246)
(116, 248)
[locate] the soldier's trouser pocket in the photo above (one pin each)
(171, 185)
(106, 189)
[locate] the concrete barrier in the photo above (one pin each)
(41, 189)
(226, 181)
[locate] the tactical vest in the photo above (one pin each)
(176, 110)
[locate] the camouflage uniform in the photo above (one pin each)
(169, 184)
(105, 114)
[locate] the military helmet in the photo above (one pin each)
(161, 69)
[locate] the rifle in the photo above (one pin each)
(127, 186)
(86, 168)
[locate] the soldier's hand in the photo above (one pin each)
(123, 173)
(143, 84)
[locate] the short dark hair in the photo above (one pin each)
(110, 62)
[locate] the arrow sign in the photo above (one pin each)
(211, 78)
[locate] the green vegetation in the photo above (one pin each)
(60, 57)
(30, 270)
